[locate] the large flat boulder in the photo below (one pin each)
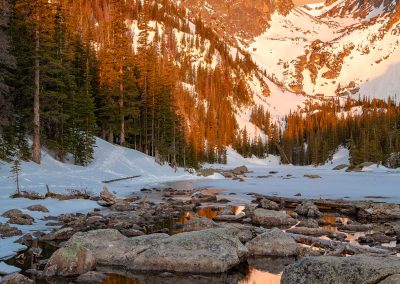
(273, 243)
(78, 255)
(341, 270)
(206, 251)
(271, 218)
(72, 260)
(118, 253)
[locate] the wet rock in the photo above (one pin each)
(7, 231)
(206, 251)
(71, 260)
(240, 170)
(340, 167)
(16, 279)
(38, 208)
(341, 270)
(272, 218)
(199, 223)
(393, 279)
(91, 277)
(309, 209)
(60, 235)
(269, 204)
(273, 243)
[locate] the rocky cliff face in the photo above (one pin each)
(242, 18)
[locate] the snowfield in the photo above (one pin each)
(112, 161)
(371, 184)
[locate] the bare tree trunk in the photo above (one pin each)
(121, 109)
(36, 155)
(110, 136)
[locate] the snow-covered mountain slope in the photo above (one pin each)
(335, 48)
(314, 53)
(110, 162)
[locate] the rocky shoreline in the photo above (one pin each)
(192, 236)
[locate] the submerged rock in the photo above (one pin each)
(341, 270)
(273, 243)
(91, 277)
(272, 218)
(308, 209)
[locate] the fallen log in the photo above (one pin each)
(346, 248)
(120, 179)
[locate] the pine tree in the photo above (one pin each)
(15, 172)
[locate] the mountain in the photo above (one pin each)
(336, 48)
(184, 80)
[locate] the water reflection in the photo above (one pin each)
(256, 271)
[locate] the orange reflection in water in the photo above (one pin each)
(119, 279)
(256, 276)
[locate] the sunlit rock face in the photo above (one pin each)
(242, 18)
(359, 8)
